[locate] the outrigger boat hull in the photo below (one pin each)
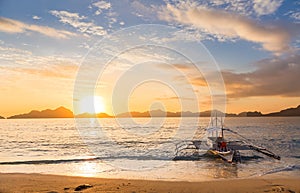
(216, 145)
(226, 156)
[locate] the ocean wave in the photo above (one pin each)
(282, 169)
(60, 161)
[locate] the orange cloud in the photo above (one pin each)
(56, 70)
(174, 98)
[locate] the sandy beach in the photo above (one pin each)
(17, 182)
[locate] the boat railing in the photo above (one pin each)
(184, 145)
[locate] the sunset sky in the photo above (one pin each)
(49, 50)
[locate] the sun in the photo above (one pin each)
(92, 104)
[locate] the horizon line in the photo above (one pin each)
(149, 111)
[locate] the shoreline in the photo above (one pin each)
(33, 182)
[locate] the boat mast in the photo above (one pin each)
(222, 128)
(216, 120)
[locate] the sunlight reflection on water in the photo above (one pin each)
(58, 140)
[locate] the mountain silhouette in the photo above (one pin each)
(250, 114)
(63, 112)
(158, 113)
(60, 112)
(286, 112)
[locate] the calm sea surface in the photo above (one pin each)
(142, 148)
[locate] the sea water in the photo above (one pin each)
(143, 148)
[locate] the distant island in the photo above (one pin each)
(60, 112)
(287, 112)
(160, 113)
(63, 112)
(2, 117)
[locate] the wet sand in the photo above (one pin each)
(16, 182)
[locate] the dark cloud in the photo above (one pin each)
(278, 76)
(273, 77)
